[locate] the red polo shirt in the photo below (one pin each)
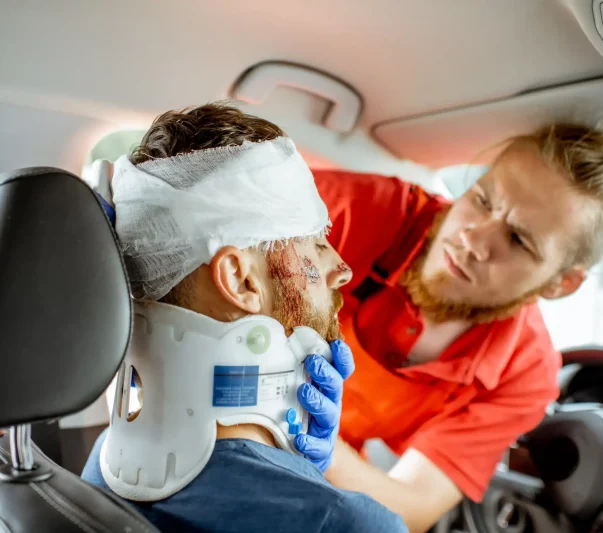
(462, 410)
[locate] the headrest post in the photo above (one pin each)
(20, 447)
(22, 468)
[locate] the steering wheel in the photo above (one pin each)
(543, 484)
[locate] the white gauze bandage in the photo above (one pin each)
(174, 214)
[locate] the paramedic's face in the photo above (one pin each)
(507, 237)
(305, 278)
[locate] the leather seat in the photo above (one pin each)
(65, 320)
(62, 503)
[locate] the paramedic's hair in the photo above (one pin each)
(577, 151)
(198, 128)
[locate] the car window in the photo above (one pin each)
(112, 146)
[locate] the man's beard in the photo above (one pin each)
(291, 305)
(423, 293)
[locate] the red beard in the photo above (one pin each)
(422, 293)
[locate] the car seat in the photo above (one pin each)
(65, 320)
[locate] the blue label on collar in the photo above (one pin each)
(235, 386)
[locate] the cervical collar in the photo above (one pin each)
(197, 372)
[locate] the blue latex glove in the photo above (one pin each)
(322, 400)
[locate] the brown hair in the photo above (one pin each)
(577, 151)
(198, 128)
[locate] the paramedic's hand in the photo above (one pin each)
(322, 400)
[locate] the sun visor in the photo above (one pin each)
(469, 135)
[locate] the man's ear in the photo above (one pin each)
(565, 283)
(236, 280)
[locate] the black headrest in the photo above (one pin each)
(65, 310)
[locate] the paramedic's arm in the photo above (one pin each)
(458, 455)
(415, 488)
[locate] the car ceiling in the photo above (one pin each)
(77, 67)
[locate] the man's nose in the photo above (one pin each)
(479, 239)
(339, 276)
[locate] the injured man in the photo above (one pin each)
(223, 235)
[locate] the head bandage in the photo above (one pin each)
(174, 214)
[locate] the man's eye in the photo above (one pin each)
(483, 201)
(321, 247)
(516, 239)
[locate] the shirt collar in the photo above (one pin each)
(481, 353)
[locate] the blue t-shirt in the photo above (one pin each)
(247, 487)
